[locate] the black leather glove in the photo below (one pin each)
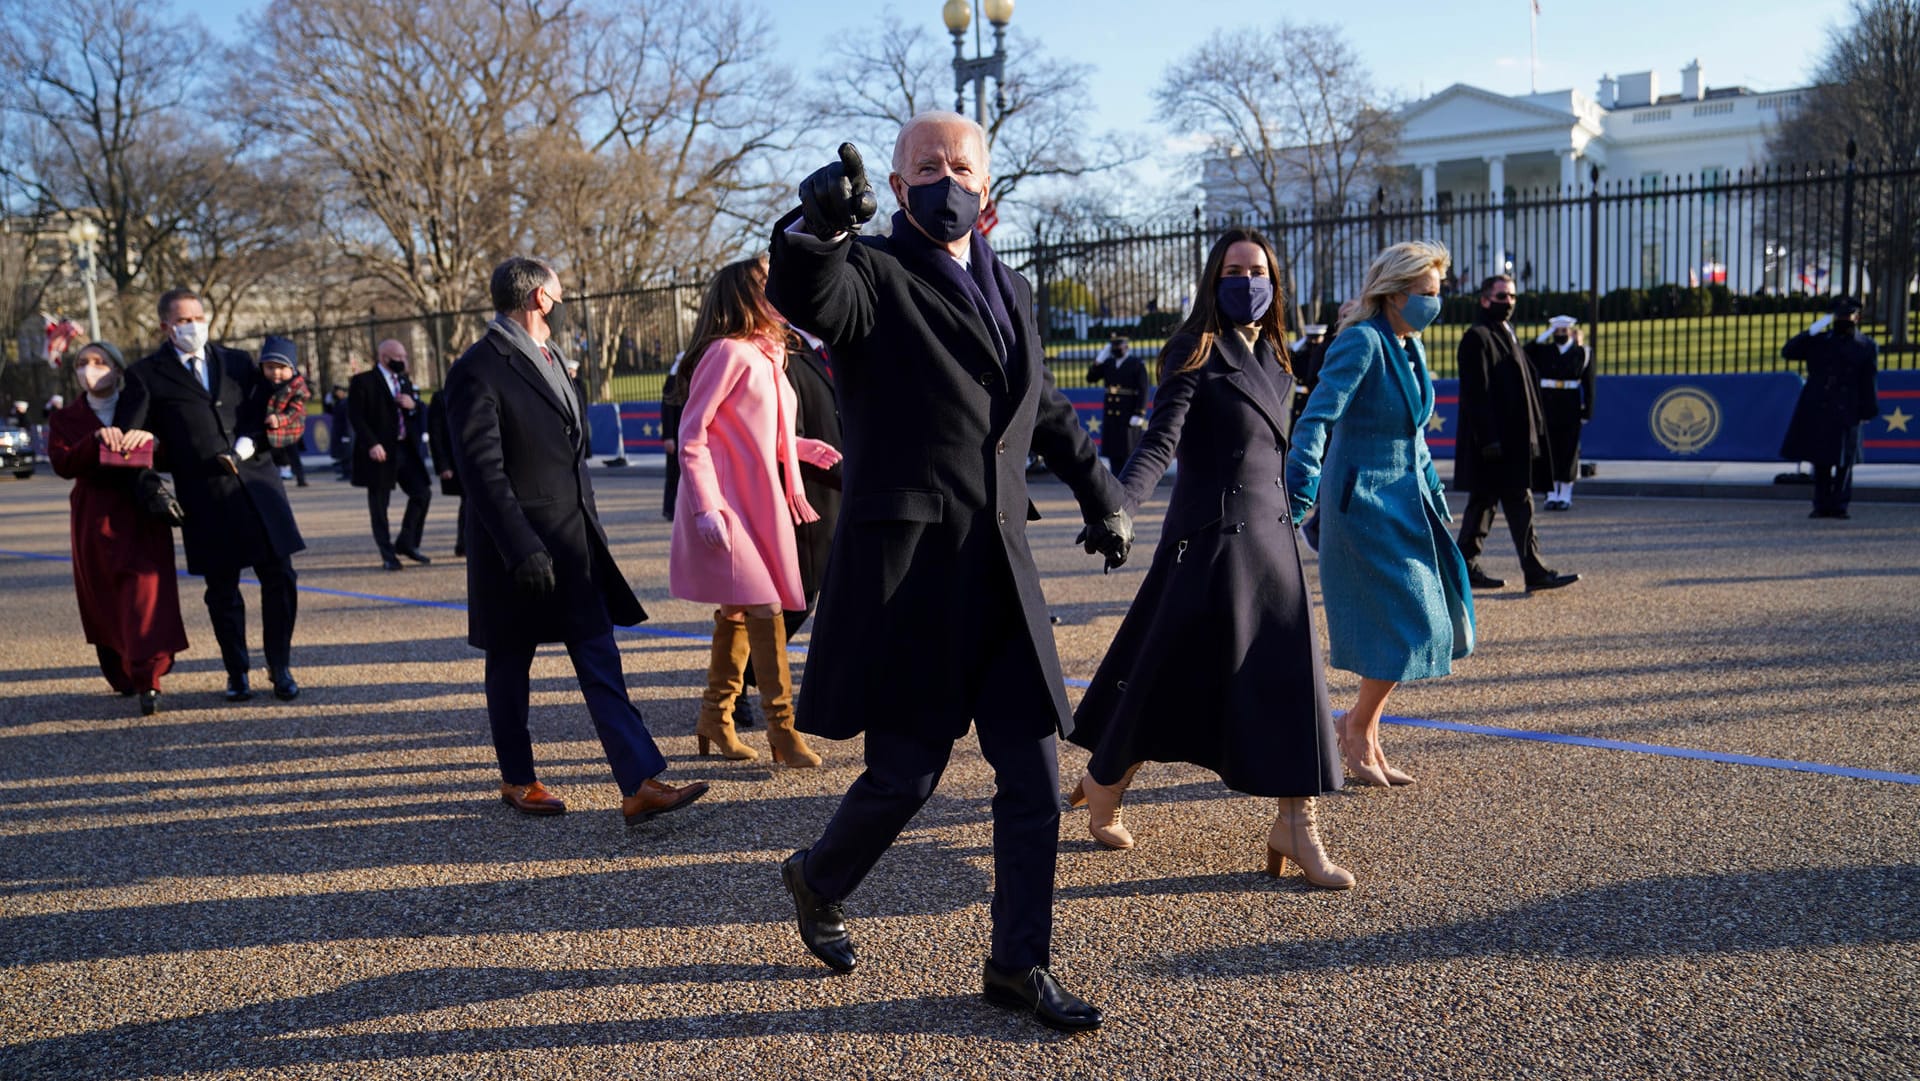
(837, 198)
(1491, 452)
(1111, 536)
(533, 576)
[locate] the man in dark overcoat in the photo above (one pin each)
(388, 429)
(538, 566)
(932, 616)
(1840, 394)
(1501, 456)
(207, 412)
(1123, 413)
(440, 444)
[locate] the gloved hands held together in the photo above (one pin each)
(1111, 537)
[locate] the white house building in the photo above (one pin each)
(1468, 148)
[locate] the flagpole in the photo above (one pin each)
(1533, 46)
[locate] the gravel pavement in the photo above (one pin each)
(331, 888)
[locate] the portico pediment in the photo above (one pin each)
(1468, 112)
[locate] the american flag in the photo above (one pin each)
(989, 217)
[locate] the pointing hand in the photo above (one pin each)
(837, 198)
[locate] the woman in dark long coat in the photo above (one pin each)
(1216, 663)
(123, 571)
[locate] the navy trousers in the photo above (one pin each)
(279, 609)
(596, 662)
(903, 768)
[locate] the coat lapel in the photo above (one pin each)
(523, 362)
(1233, 353)
(175, 370)
(1402, 370)
(956, 300)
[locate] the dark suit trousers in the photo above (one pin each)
(596, 662)
(411, 476)
(1477, 521)
(903, 769)
(279, 607)
(1832, 487)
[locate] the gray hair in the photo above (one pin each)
(941, 118)
(515, 281)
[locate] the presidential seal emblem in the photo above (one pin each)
(1684, 419)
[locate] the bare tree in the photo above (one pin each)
(1867, 92)
(1291, 120)
(878, 80)
(100, 90)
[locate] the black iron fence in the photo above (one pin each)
(1697, 274)
(1700, 274)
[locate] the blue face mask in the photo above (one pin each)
(1420, 311)
(1243, 300)
(944, 208)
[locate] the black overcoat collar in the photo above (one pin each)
(1234, 355)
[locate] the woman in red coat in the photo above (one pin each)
(123, 567)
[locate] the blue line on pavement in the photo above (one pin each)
(1663, 750)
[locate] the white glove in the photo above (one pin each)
(1820, 324)
(1137, 421)
(1544, 336)
(243, 448)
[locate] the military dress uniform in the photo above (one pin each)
(1566, 374)
(1123, 415)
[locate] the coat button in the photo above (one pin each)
(1279, 482)
(986, 379)
(1238, 527)
(1003, 517)
(1001, 447)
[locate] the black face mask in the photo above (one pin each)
(944, 209)
(556, 318)
(1501, 310)
(1560, 338)
(397, 367)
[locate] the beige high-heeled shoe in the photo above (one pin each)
(1103, 808)
(1295, 835)
(1358, 768)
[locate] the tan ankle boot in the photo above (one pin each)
(767, 637)
(1295, 836)
(725, 669)
(1103, 808)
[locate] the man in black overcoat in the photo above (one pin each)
(440, 444)
(1840, 394)
(1501, 456)
(932, 616)
(1123, 414)
(388, 426)
(207, 411)
(538, 566)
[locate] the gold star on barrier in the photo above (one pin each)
(1093, 424)
(1897, 420)
(1436, 422)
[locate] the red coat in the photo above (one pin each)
(123, 568)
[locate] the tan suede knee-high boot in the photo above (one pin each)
(1296, 836)
(724, 674)
(767, 638)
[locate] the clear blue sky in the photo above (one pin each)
(1412, 48)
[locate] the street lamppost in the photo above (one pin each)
(958, 15)
(83, 234)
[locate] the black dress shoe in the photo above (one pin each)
(284, 688)
(1036, 990)
(1550, 580)
(1482, 580)
(414, 554)
(390, 563)
(149, 703)
(823, 927)
(238, 689)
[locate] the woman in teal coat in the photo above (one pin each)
(1391, 578)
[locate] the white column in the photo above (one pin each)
(1573, 226)
(1497, 217)
(1429, 195)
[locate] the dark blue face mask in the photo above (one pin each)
(944, 209)
(1244, 299)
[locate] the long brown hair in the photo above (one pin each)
(734, 306)
(1205, 324)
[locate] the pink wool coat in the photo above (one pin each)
(736, 444)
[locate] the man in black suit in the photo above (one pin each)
(1840, 394)
(388, 425)
(538, 566)
(207, 411)
(931, 616)
(1501, 457)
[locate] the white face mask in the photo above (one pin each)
(95, 378)
(190, 337)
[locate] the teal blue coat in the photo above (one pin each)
(1391, 578)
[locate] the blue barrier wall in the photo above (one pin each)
(1895, 437)
(603, 425)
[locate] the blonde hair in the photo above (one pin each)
(1393, 272)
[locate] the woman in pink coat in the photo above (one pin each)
(740, 497)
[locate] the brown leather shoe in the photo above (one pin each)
(655, 798)
(532, 799)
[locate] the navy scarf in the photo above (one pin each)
(984, 281)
